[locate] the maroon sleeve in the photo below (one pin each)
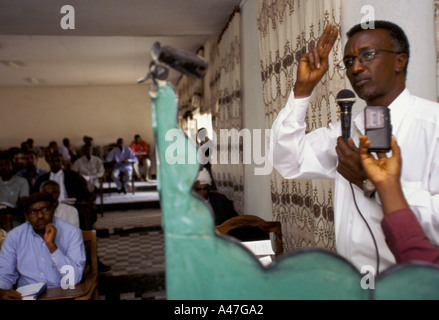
(406, 238)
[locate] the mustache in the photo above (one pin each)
(357, 79)
(42, 220)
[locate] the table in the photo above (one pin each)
(83, 291)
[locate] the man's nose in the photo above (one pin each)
(357, 66)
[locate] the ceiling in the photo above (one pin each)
(111, 41)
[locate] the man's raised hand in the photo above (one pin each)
(314, 64)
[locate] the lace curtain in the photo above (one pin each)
(227, 115)
(436, 22)
(287, 29)
(190, 96)
(219, 94)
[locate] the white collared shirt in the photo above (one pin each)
(68, 213)
(415, 123)
(59, 177)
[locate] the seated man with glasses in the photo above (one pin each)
(221, 206)
(375, 62)
(37, 250)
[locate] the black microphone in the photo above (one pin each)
(186, 62)
(345, 99)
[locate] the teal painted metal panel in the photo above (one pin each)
(203, 265)
(409, 281)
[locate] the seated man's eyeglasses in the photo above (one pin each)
(43, 210)
(366, 55)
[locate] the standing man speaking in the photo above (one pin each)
(375, 62)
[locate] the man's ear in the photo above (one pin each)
(401, 62)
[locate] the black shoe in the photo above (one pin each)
(124, 190)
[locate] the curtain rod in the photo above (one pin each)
(237, 9)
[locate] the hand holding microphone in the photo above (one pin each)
(345, 99)
(349, 162)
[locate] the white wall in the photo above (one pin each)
(257, 188)
(52, 113)
(416, 18)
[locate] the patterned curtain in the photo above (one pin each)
(436, 22)
(287, 29)
(225, 101)
(190, 95)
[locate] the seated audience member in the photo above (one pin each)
(402, 230)
(37, 250)
(95, 150)
(222, 207)
(64, 151)
(43, 162)
(90, 167)
(73, 189)
(69, 151)
(53, 147)
(72, 184)
(30, 143)
(62, 210)
(25, 146)
(122, 159)
(31, 173)
(140, 149)
(66, 212)
(18, 159)
(12, 187)
(42, 158)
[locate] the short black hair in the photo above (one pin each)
(397, 36)
(49, 183)
(25, 202)
(4, 155)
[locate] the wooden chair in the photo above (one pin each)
(101, 194)
(90, 278)
(253, 221)
(6, 221)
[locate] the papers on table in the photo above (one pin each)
(70, 201)
(32, 291)
(262, 249)
(5, 205)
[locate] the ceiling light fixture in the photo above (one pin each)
(13, 64)
(33, 80)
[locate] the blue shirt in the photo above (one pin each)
(24, 256)
(121, 155)
(24, 174)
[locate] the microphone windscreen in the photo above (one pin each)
(345, 95)
(183, 61)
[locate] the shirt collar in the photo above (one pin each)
(59, 174)
(398, 109)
